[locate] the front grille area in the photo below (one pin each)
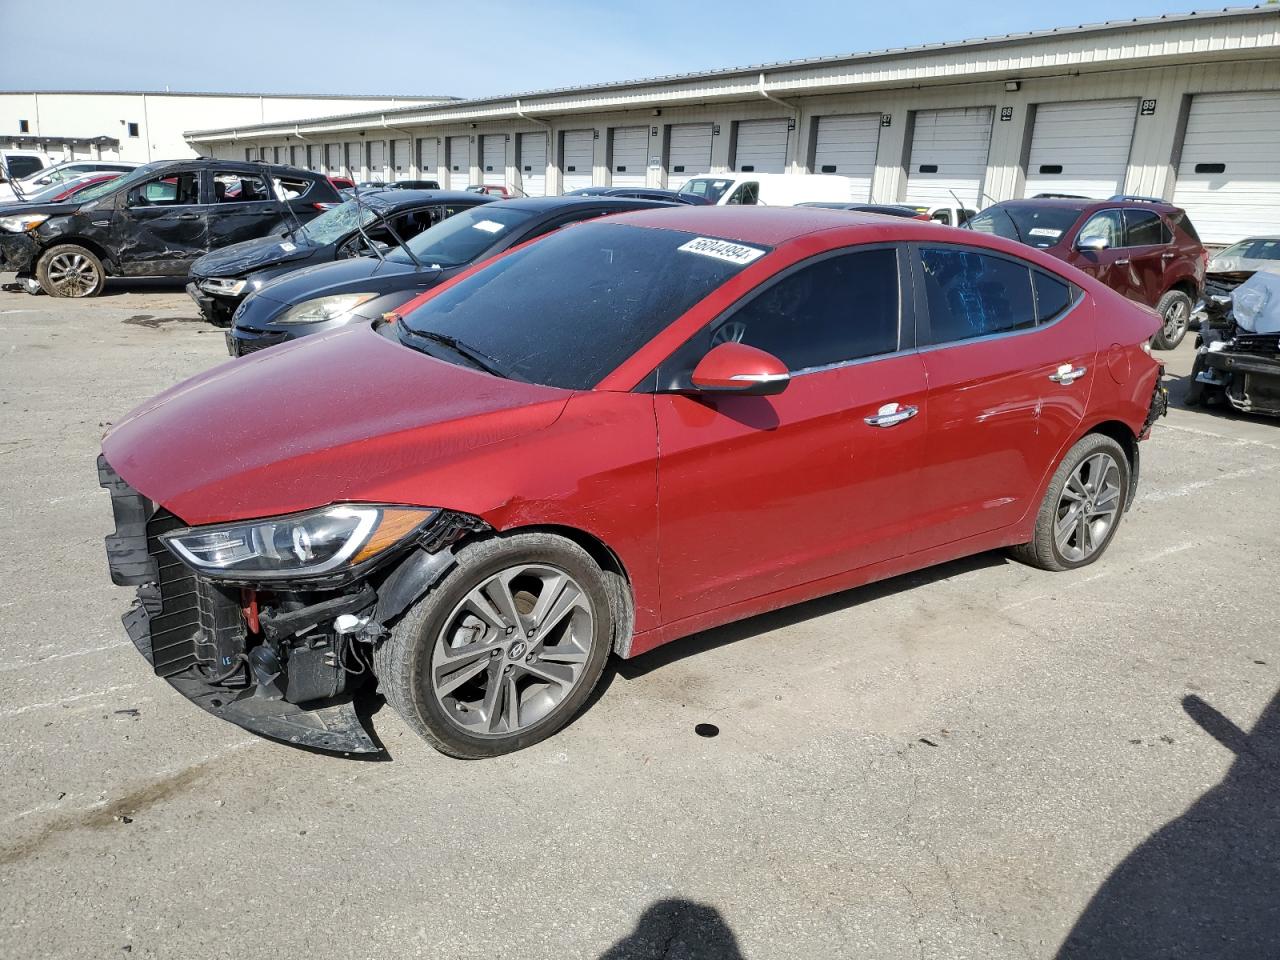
(184, 619)
(175, 618)
(240, 348)
(1264, 344)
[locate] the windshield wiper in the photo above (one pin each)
(481, 361)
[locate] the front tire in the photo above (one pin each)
(1175, 315)
(1082, 507)
(504, 651)
(70, 271)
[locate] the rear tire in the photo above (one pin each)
(473, 680)
(1093, 480)
(70, 271)
(1175, 316)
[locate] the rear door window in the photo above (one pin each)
(1143, 228)
(240, 188)
(974, 294)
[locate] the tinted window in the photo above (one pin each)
(570, 308)
(1035, 224)
(1053, 296)
(840, 308)
(974, 294)
(463, 238)
(1144, 228)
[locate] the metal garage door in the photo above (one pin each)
(401, 162)
(495, 159)
(630, 157)
(847, 146)
(378, 161)
(333, 158)
(355, 160)
(428, 157)
(533, 163)
(579, 156)
(761, 146)
(688, 152)
(459, 161)
(949, 156)
(1229, 172)
(1081, 148)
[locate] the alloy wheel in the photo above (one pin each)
(1175, 320)
(512, 650)
(1088, 507)
(72, 274)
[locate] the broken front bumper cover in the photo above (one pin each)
(1249, 381)
(333, 727)
(18, 252)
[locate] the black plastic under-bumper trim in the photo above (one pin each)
(332, 726)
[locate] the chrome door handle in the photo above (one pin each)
(1066, 374)
(1167, 256)
(1122, 263)
(891, 414)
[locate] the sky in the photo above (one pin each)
(400, 47)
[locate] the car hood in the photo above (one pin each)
(241, 258)
(343, 416)
(1237, 265)
(15, 207)
(344, 276)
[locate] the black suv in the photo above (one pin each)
(155, 221)
(222, 279)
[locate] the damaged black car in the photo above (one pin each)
(366, 225)
(155, 222)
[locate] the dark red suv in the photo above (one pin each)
(1138, 246)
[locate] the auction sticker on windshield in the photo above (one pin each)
(1044, 232)
(722, 250)
(488, 226)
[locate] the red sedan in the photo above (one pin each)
(625, 432)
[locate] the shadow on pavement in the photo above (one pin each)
(1208, 883)
(677, 928)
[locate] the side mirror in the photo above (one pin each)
(1093, 244)
(740, 369)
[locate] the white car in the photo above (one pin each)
(21, 163)
(766, 189)
(49, 176)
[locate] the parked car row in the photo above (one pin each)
(159, 219)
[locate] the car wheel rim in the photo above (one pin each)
(1088, 507)
(72, 274)
(1175, 319)
(512, 650)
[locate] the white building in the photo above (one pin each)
(1185, 107)
(143, 126)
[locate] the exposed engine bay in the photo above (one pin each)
(1238, 349)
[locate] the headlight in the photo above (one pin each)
(22, 222)
(325, 308)
(223, 285)
(303, 544)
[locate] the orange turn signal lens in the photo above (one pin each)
(394, 525)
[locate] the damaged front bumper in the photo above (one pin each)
(18, 252)
(1249, 378)
(283, 664)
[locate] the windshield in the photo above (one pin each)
(567, 310)
(710, 189)
(1036, 225)
(463, 237)
(334, 224)
(1255, 248)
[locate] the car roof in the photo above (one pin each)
(549, 204)
(399, 198)
(1089, 205)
